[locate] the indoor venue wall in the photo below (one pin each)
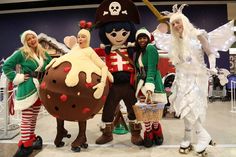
(60, 23)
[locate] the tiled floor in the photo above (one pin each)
(220, 123)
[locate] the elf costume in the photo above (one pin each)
(27, 98)
(149, 79)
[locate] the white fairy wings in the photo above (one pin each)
(219, 39)
(222, 38)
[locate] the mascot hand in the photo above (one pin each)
(149, 97)
(99, 90)
(130, 44)
(70, 41)
(223, 79)
(102, 46)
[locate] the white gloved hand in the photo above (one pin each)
(212, 63)
(213, 71)
(223, 80)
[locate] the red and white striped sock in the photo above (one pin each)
(148, 126)
(36, 110)
(28, 121)
(155, 125)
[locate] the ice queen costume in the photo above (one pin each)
(190, 87)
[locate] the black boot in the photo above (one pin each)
(61, 133)
(148, 139)
(38, 143)
(80, 141)
(158, 135)
(23, 151)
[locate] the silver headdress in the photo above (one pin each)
(176, 12)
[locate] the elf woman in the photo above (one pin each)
(32, 59)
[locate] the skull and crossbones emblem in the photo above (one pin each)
(115, 9)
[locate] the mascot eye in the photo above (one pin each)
(113, 34)
(124, 34)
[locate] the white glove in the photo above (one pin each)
(212, 63)
(19, 78)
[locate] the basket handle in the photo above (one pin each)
(148, 99)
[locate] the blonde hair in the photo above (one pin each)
(87, 34)
(29, 53)
(181, 49)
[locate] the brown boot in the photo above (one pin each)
(135, 130)
(106, 134)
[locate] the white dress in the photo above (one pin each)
(190, 87)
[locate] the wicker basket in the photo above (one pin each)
(148, 112)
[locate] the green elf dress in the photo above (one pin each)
(153, 81)
(27, 91)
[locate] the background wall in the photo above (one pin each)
(61, 23)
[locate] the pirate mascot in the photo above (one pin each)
(115, 21)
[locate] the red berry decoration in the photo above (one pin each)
(89, 85)
(67, 69)
(104, 98)
(63, 97)
(86, 110)
(82, 24)
(89, 25)
(43, 85)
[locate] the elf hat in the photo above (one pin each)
(143, 31)
(23, 35)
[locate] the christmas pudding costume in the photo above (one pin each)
(75, 87)
(27, 97)
(114, 19)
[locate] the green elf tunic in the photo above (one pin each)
(27, 91)
(153, 81)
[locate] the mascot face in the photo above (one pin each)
(118, 37)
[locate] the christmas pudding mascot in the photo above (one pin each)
(75, 88)
(115, 20)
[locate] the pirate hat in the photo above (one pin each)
(116, 10)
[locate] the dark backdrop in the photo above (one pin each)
(61, 23)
